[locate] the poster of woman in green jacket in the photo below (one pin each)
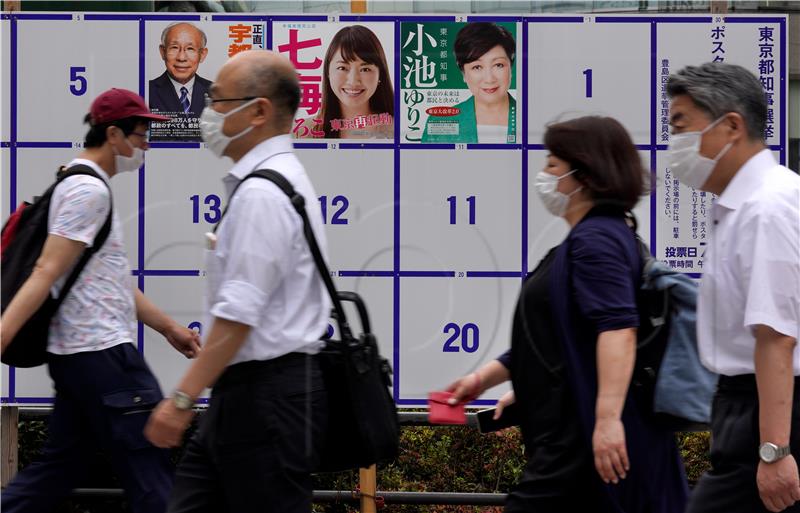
(484, 53)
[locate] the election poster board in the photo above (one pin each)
(421, 134)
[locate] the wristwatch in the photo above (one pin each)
(182, 400)
(770, 453)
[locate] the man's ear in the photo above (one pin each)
(163, 51)
(203, 54)
(265, 112)
(737, 126)
(113, 133)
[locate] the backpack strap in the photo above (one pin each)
(298, 202)
(99, 239)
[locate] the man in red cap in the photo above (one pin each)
(104, 389)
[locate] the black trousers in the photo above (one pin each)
(102, 398)
(730, 486)
(259, 441)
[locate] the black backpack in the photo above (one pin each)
(23, 237)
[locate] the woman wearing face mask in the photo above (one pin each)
(357, 94)
(574, 342)
(484, 53)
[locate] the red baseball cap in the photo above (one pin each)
(116, 104)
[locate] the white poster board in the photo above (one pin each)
(436, 236)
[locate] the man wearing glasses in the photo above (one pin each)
(266, 306)
(104, 389)
(180, 90)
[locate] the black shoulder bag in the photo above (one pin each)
(363, 427)
(21, 250)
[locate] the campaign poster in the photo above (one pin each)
(182, 59)
(459, 82)
(346, 78)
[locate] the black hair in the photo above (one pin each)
(718, 88)
(96, 136)
(604, 157)
(477, 38)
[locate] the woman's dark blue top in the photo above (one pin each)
(593, 280)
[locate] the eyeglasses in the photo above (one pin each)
(145, 135)
(174, 50)
(211, 101)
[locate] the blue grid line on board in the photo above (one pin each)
(5, 144)
(487, 146)
(412, 146)
(311, 146)
(501, 19)
(365, 18)
(174, 145)
(12, 382)
(30, 400)
(411, 18)
(366, 146)
(166, 272)
(44, 144)
(646, 147)
(426, 274)
(653, 19)
(268, 31)
(653, 117)
(784, 136)
(424, 402)
(524, 138)
(236, 17)
(5, 16)
(298, 17)
(662, 147)
(142, 171)
(142, 17)
(364, 274)
(753, 19)
(495, 274)
(35, 16)
(554, 19)
(396, 233)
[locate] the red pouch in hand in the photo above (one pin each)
(440, 412)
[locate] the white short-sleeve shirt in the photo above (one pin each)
(751, 266)
(261, 272)
(100, 310)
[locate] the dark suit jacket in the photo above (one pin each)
(163, 97)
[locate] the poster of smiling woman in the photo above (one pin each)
(458, 82)
(345, 73)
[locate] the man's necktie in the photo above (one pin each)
(184, 99)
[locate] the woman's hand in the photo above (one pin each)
(465, 388)
(507, 400)
(610, 452)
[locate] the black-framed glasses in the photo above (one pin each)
(144, 135)
(211, 101)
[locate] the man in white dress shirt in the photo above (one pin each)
(749, 307)
(267, 307)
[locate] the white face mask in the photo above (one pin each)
(686, 162)
(547, 186)
(211, 123)
(126, 164)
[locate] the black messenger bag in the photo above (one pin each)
(363, 427)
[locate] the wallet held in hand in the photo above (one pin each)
(440, 412)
